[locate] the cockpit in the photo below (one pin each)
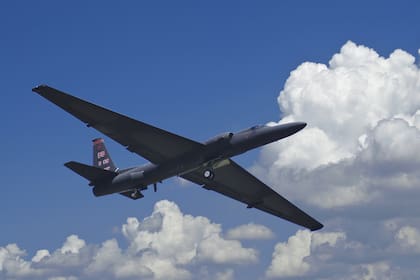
(255, 127)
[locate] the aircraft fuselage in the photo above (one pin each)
(214, 152)
(208, 164)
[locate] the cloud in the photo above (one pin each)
(63, 278)
(225, 275)
(72, 245)
(250, 231)
(184, 238)
(380, 270)
(165, 245)
(356, 91)
(40, 254)
(363, 134)
(332, 255)
(12, 263)
(289, 257)
(355, 166)
(110, 259)
(408, 237)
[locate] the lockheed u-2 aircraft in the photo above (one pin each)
(207, 164)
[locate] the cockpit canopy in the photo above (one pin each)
(256, 126)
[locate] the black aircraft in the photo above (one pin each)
(207, 164)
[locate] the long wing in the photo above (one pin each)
(232, 180)
(152, 143)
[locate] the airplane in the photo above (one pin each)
(207, 164)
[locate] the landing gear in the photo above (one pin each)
(136, 194)
(208, 174)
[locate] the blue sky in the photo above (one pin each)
(192, 67)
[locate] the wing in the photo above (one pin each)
(232, 180)
(152, 143)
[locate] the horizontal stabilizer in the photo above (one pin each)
(92, 173)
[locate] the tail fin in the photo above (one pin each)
(103, 170)
(101, 157)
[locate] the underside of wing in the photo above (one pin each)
(152, 143)
(234, 181)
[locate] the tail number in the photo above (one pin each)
(101, 154)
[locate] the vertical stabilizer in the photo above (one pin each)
(101, 157)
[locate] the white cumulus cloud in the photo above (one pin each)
(40, 254)
(12, 263)
(184, 238)
(165, 245)
(289, 257)
(250, 231)
(363, 132)
(355, 166)
(73, 245)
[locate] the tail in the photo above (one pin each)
(103, 168)
(94, 174)
(101, 157)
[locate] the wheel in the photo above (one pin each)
(135, 193)
(208, 174)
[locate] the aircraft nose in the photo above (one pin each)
(300, 125)
(285, 130)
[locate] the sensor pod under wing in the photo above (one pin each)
(208, 164)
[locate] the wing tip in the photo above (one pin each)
(39, 88)
(317, 227)
(69, 163)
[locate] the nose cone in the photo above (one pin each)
(295, 127)
(285, 130)
(299, 125)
